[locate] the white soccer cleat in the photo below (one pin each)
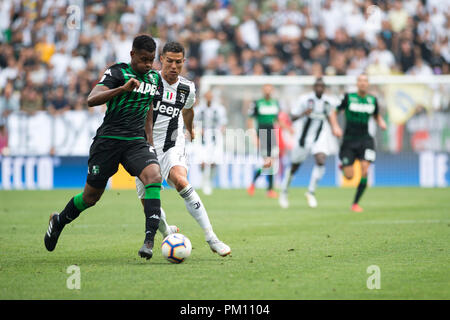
(171, 230)
(283, 200)
(312, 202)
(174, 229)
(207, 190)
(219, 247)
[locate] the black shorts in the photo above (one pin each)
(363, 149)
(106, 154)
(267, 140)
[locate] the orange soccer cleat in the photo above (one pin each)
(251, 189)
(356, 208)
(272, 194)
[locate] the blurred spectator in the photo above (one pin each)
(58, 103)
(3, 138)
(398, 16)
(406, 56)
(249, 33)
(59, 64)
(381, 55)
(420, 68)
(9, 101)
(41, 51)
(31, 100)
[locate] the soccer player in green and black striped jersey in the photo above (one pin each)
(128, 90)
(265, 113)
(357, 143)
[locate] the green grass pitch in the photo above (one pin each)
(298, 253)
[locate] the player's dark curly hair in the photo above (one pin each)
(173, 46)
(144, 42)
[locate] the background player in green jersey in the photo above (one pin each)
(265, 113)
(127, 90)
(357, 142)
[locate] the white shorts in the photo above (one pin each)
(299, 154)
(175, 156)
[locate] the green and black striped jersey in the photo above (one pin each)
(126, 113)
(265, 112)
(358, 111)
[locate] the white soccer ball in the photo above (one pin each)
(176, 247)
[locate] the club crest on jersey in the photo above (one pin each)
(169, 96)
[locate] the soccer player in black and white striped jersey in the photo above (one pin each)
(313, 135)
(172, 111)
(211, 118)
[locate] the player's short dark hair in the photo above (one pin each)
(319, 80)
(144, 42)
(173, 46)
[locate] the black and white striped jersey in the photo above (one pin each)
(210, 120)
(309, 128)
(168, 122)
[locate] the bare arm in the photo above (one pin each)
(380, 121)
(102, 94)
(303, 114)
(188, 118)
(332, 118)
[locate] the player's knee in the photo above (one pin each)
(152, 174)
(267, 163)
(180, 182)
(90, 199)
(294, 168)
(320, 159)
(348, 175)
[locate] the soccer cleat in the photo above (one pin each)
(174, 229)
(251, 189)
(53, 232)
(146, 250)
(272, 194)
(312, 202)
(219, 247)
(207, 190)
(356, 208)
(283, 200)
(170, 230)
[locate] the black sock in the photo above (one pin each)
(270, 179)
(360, 190)
(69, 214)
(257, 174)
(74, 207)
(152, 210)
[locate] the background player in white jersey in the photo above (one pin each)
(211, 119)
(312, 136)
(172, 109)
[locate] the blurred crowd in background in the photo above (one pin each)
(52, 52)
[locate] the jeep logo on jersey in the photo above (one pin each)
(145, 88)
(166, 110)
